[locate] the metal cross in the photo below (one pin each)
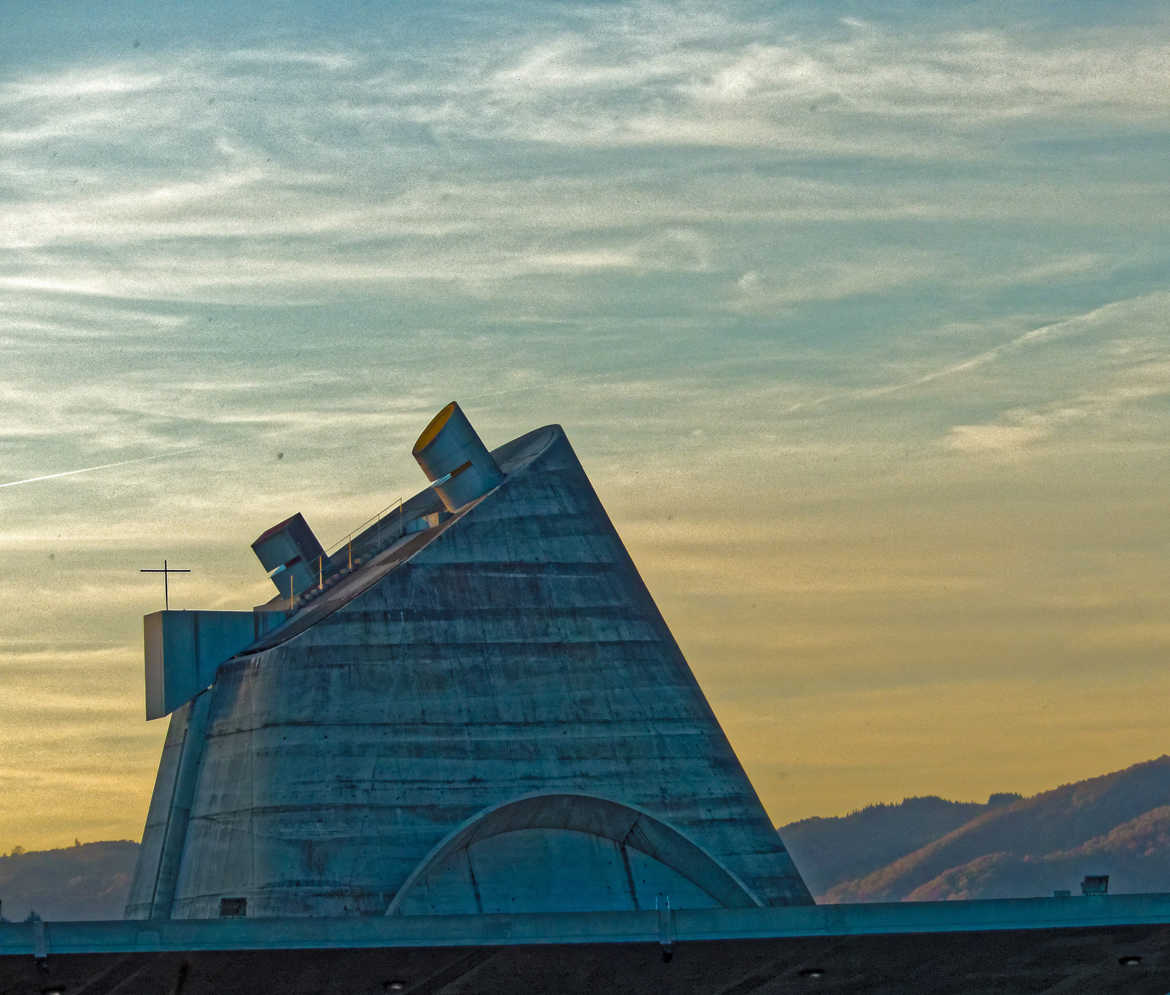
(166, 572)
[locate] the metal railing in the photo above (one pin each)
(377, 517)
(328, 572)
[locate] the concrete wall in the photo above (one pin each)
(185, 648)
(592, 855)
(515, 651)
(164, 837)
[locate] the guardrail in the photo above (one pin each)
(328, 572)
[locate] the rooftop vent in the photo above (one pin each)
(289, 552)
(452, 455)
(1095, 884)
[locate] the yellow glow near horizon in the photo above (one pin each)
(858, 326)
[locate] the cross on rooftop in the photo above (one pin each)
(166, 572)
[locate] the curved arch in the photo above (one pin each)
(626, 826)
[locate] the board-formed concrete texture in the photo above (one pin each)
(184, 650)
(483, 701)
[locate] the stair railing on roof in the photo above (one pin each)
(376, 518)
(327, 573)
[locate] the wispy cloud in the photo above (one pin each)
(1103, 324)
(773, 269)
(198, 178)
(1120, 368)
(868, 272)
(93, 469)
(1018, 431)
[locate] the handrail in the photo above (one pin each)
(330, 550)
(323, 573)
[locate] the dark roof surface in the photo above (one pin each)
(1082, 945)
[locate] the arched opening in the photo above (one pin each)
(566, 853)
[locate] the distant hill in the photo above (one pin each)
(88, 881)
(1134, 855)
(1117, 824)
(828, 851)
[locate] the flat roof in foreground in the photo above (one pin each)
(1079, 944)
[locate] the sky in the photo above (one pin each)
(856, 315)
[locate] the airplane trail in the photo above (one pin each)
(90, 469)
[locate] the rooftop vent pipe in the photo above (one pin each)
(451, 453)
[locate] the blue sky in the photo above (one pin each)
(856, 315)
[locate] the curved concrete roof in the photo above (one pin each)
(625, 825)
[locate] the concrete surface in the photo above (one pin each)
(1104, 944)
(184, 650)
(598, 856)
(511, 649)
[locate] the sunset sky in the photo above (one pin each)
(857, 315)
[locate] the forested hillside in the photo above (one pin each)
(1116, 824)
(86, 881)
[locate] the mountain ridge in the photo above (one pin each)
(1018, 848)
(84, 881)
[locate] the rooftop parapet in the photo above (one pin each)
(184, 649)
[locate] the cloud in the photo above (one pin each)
(867, 272)
(765, 265)
(285, 57)
(1119, 368)
(194, 176)
(91, 469)
(1101, 325)
(691, 77)
(1018, 432)
(1006, 440)
(72, 84)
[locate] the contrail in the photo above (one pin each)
(90, 469)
